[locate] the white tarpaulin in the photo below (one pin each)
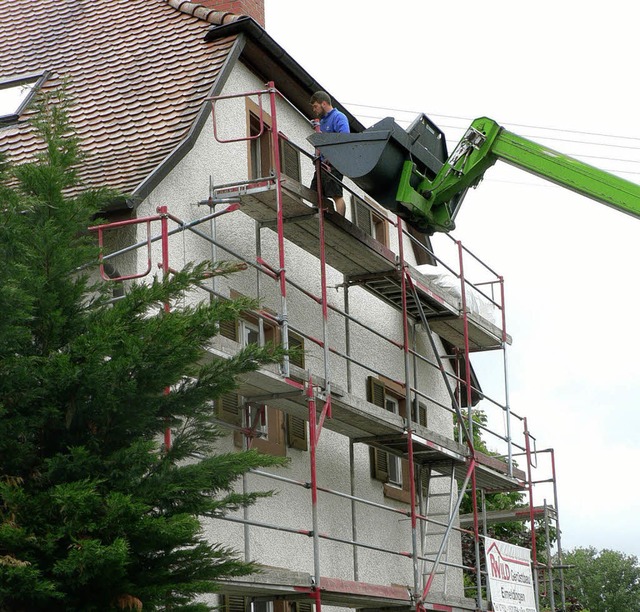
(510, 579)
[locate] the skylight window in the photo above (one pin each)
(16, 93)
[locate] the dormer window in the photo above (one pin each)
(16, 93)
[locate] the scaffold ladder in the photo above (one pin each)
(434, 533)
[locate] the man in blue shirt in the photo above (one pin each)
(331, 120)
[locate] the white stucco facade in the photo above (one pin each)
(183, 191)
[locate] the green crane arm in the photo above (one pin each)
(427, 202)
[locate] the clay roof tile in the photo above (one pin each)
(139, 71)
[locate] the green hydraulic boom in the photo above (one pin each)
(429, 196)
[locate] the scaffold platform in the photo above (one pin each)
(273, 582)
(367, 423)
(361, 259)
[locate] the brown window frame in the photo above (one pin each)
(275, 441)
(258, 145)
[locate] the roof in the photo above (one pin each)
(140, 71)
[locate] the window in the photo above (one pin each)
(258, 415)
(259, 143)
(274, 430)
(249, 333)
(261, 160)
(369, 220)
(387, 467)
(246, 330)
(16, 93)
(238, 603)
(394, 471)
(268, 423)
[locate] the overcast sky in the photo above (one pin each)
(562, 73)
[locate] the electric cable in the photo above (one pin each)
(536, 137)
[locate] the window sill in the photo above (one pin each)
(397, 493)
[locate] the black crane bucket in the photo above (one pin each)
(373, 159)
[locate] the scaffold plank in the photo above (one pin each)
(365, 422)
(361, 258)
(443, 311)
(297, 586)
(523, 513)
(259, 199)
(347, 248)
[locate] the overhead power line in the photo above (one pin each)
(524, 125)
(537, 136)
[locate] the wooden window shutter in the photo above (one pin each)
(297, 432)
(362, 216)
(229, 329)
(379, 461)
(228, 409)
(422, 415)
(289, 160)
(302, 606)
(234, 603)
(296, 342)
(424, 476)
(376, 392)
(297, 360)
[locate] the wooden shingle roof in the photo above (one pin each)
(139, 73)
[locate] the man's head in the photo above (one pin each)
(320, 103)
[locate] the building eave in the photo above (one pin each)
(266, 57)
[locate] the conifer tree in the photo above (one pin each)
(94, 513)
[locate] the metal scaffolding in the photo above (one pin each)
(288, 208)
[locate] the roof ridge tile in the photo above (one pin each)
(202, 12)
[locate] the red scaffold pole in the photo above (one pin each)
(534, 551)
(313, 443)
(408, 415)
(164, 228)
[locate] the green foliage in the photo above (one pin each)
(479, 419)
(94, 513)
(601, 580)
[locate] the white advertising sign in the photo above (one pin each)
(510, 579)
